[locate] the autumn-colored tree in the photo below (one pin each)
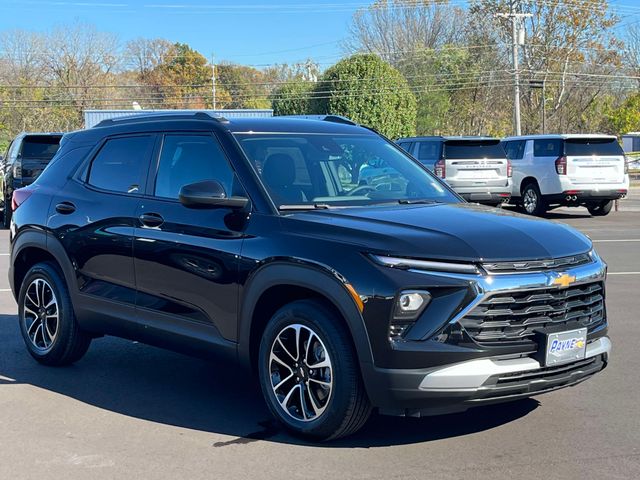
(247, 86)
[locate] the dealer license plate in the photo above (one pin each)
(566, 347)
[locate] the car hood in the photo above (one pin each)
(464, 232)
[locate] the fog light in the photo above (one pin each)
(410, 304)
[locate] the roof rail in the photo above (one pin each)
(146, 116)
(324, 118)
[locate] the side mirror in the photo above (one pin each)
(209, 194)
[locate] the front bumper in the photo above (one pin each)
(473, 383)
(455, 377)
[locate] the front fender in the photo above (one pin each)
(314, 277)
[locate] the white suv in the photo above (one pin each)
(567, 170)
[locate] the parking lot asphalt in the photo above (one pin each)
(132, 411)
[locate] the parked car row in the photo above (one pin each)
(535, 172)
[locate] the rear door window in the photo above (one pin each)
(429, 151)
(515, 149)
(592, 146)
(121, 164)
(465, 149)
(548, 147)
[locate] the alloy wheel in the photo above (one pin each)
(530, 200)
(40, 314)
(301, 372)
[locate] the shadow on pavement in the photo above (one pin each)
(168, 388)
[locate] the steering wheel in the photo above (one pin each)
(360, 189)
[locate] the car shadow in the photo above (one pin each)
(554, 214)
(156, 385)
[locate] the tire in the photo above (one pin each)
(44, 301)
(335, 401)
(600, 209)
(6, 216)
(532, 201)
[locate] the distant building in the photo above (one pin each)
(631, 142)
(93, 117)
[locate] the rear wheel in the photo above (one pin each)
(309, 373)
(47, 320)
(600, 209)
(532, 200)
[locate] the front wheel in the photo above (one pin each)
(532, 200)
(600, 209)
(309, 372)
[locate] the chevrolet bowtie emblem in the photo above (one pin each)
(564, 280)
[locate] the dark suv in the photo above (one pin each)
(27, 156)
(248, 239)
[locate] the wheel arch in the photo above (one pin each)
(278, 283)
(35, 246)
(526, 181)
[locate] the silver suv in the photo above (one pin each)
(477, 168)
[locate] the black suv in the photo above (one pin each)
(249, 239)
(27, 156)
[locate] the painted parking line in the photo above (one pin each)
(4, 254)
(623, 273)
(617, 240)
(5, 289)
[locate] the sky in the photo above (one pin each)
(250, 32)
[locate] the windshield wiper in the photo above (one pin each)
(314, 206)
(414, 201)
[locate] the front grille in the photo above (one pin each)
(537, 265)
(514, 316)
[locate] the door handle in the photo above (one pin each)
(151, 220)
(65, 208)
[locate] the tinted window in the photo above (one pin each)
(550, 147)
(121, 164)
(592, 146)
(40, 147)
(514, 149)
(464, 149)
(188, 159)
(429, 151)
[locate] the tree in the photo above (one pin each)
(570, 46)
(626, 118)
(369, 91)
(393, 29)
(292, 98)
(186, 78)
(247, 87)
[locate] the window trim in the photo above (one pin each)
(154, 166)
(85, 169)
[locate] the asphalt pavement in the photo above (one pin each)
(132, 411)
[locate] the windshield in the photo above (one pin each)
(473, 149)
(592, 146)
(339, 170)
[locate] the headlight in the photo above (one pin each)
(427, 265)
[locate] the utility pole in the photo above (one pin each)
(213, 81)
(517, 34)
